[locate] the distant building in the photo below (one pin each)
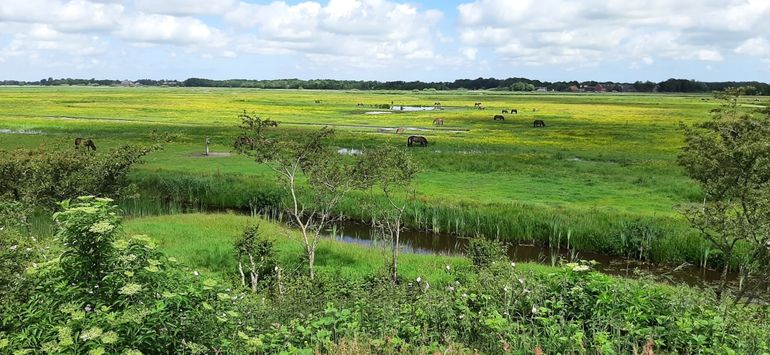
(542, 89)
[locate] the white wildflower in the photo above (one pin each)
(506, 289)
(419, 279)
(521, 281)
(196, 273)
(513, 264)
(534, 309)
(581, 268)
(13, 247)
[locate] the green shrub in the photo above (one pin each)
(483, 252)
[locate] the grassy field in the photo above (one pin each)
(603, 161)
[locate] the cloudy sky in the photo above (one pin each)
(623, 40)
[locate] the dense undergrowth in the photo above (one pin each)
(148, 302)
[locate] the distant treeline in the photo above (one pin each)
(510, 84)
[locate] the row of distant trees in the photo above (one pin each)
(510, 84)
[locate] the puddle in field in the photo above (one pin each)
(448, 244)
(378, 113)
(390, 129)
(19, 131)
(405, 108)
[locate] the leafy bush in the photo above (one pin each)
(42, 177)
(133, 299)
(483, 252)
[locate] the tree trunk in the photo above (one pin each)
(243, 276)
(311, 261)
(253, 274)
(723, 277)
(394, 274)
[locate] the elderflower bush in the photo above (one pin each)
(114, 295)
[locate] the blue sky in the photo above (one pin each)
(620, 40)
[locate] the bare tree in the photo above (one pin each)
(315, 176)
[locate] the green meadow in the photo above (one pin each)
(603, 163)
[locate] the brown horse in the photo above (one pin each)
(438, 122)
(400, 130)
(538, 123)
(270, 123)
(514, 111)
(499, 118)
(419, 140)
(89, 144)
(504, 111)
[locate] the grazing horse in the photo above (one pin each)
(514, 111)
(538, 123)
(89, 144)
(420, 140)
(271, 123)
(436, 103)
(359, 105)
(476, 104)
(499, 118)
(438, 122)
(504, 111)
(318, 101)
(400, 130)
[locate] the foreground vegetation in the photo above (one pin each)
(148, 301)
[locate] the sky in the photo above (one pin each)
(605, 40)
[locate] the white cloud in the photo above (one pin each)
(350, 31)
(185, 7)
(543, 32)
(755, 47)
(164, 29)
(70, 16)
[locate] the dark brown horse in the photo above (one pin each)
(419, 140)
(538, 123)
(504, 111)
(499, 118)
(438, 122)
(89, 144)
(514, 111)
(270, 123)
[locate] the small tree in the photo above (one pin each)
(316, 177)
(389, 171)
(256, 254)
(729, 157)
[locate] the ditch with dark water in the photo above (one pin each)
(417, 242)
(426, 242)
